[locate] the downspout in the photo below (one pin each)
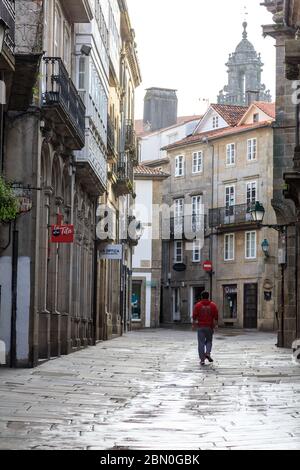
(14, 292)
(95, 284)
(287, 12)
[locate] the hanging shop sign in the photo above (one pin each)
(113, 252)
(62, 233)
(24, 197)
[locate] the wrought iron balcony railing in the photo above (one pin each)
(7, 14)
(61, 95)
(111, 139)
(130, 138)
(230, 216)
(124, 173)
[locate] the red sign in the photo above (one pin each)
(62, 233)
(207, 266)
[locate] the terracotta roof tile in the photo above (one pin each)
(139, 125)
(218, 133)
(267, 108)
(143, 170)
(231, 114)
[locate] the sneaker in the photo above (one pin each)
(209, 358)
(202, 363)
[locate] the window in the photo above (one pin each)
(179, 166)
(251, 193)
(215, 122)
(229, 248)
(256, 117)
(197, 162)
(178, 217)
(196, 251)
(197, 213)
(57, 33)
(67, 47)
(230, 196)
(230, 154)
(178, 258)
(81, 73)
(136, 300)
(252, 150)
(250, 245)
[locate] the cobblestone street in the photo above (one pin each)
(147, 391)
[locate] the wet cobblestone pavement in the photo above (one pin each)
(147, 391)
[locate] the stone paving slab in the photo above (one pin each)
(147, 391)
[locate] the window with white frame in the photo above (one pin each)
(215, 122)
(57, 32)
(252, 150)
(196, 251)
(197, 212)
(82, 73)
(251, 193)
(179, 166)
(229, 247)
(178, 254)
(250, 243)
(197, 162)
(230, 155)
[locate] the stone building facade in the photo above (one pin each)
(286, 187)
(147, 272)
(56, 149)
(216, 176)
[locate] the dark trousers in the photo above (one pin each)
(205, 340)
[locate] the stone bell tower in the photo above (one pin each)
(244, 76)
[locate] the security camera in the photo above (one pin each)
(85, 50)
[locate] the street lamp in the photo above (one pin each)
(257, 212)
(266, 248)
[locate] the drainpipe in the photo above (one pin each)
(14, 290)
(287, 12)
(95, 284)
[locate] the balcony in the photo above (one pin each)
(124, 176)
(62, 103)
(7, 14)
(129, 134)
(231, 218)
(92, 166)
(79, 11)
(111, 139)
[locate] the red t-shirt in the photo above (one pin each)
(206, 314)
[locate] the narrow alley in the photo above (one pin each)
(147, 391)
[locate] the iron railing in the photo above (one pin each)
(124, 169)
(231, 215)
(111, 140)
(60, 90)
(130, 137)
(7, 14)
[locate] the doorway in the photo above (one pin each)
(250, 306)
(176, 305)
(195, 297)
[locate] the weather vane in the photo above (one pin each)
(245, 12)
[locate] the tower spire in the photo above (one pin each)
(245, 34)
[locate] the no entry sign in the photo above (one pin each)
(207, 266)
(62, 233)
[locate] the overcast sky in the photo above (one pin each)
(184, 44)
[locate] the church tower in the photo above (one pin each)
(244, 76)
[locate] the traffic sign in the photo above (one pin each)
(207, 266)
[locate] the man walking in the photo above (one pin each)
(205, 319)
